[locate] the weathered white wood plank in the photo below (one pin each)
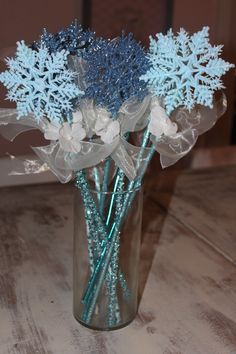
(188, 302)
(205, 201)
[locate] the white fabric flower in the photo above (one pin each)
(105, 127)
(52, 131)
(68, 135)
(77, 117)
(160, 124)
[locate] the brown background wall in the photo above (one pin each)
(25, 19)
(143, 18)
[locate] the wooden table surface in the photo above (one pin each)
(187, 275)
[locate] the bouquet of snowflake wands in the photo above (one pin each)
(110, 102)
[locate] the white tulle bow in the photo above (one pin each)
(68, 150)
(173, 137)
(181, 131)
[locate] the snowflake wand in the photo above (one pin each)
(40, 83)
(185, 70)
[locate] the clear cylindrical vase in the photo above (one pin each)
(107, 237)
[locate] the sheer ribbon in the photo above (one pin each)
(190, 126)
(132, 116)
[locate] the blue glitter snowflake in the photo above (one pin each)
(185, 70)
(40, 83)
(73, 39)
(113, 71)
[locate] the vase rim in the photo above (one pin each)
(126, 191)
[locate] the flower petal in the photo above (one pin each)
(78, 131)
(103, 119)
(77, 117)
(160, 123)
(76, 146)
(66, 131)
(52, 131)
(65, 144)
(170, 128)
(112, 131)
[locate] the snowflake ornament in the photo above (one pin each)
(73, 39)
(40, 83)
(113, 71)
(185, 70)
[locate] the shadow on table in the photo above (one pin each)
(158, 191)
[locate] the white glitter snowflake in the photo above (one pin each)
(185, 70)
(40, 83)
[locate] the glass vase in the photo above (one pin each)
(106, 256)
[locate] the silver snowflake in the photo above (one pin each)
(185, 70)
(40, 83)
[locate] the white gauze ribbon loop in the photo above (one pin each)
(133, 115)
(174, 146)
(90, 154)
(11, 127)
(47, 154)
(128, 158)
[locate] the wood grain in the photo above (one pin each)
(187, 287)
(204, 200)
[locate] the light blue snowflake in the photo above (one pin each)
(185, 70)
(40, 83)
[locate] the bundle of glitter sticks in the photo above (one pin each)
(106, 105)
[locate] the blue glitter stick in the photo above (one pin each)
(94, 249)
(114, 315)
(93, 217)
(96, 280)
(104, 185)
